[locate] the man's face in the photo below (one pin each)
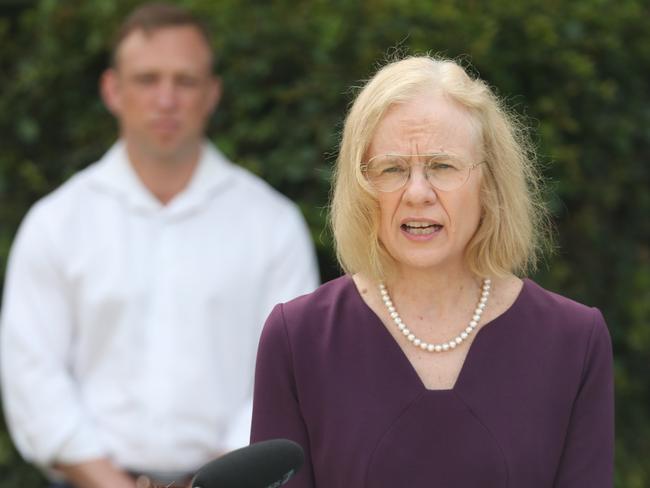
(162, 92)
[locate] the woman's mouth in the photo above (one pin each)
(421, 228)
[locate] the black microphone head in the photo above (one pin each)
(266, 464)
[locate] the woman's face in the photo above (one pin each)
(420, 226)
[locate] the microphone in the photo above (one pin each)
(266, 464)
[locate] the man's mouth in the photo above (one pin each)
(420, 228)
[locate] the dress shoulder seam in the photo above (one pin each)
(590, 340)
(388, 429)
(491, 434)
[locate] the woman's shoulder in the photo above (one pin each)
(327, 295)
(557, 315)
(545, 328)
(316, 318)
(336, 293)
(552, 302)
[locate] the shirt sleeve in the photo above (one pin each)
(44, 413)
(292, 271)
(588, 455)
(276, 407)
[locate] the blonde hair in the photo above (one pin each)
(514, 227)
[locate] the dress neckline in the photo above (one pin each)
(492, 325)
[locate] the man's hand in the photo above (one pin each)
(99, 473)
(146, 482)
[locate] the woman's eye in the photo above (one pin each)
(441, 167)
(393, 170)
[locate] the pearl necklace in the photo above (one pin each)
(445, 346)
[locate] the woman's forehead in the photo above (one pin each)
(427, 123)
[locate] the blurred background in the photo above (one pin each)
(578, 71)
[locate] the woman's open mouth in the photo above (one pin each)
(420, 228)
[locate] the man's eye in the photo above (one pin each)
(145, 79)
(187, 81)
(149, 78)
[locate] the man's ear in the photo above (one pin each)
(216, 89)
(110, 91)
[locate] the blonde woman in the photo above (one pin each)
(431, 363)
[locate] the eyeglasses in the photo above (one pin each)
(390, 172)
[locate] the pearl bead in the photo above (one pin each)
(445, 346)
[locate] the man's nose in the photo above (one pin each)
(166, 95)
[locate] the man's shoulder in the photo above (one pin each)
(70, 195)
(257, 189)
(246, 185)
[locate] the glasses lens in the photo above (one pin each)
(387, 172)
(446, 172)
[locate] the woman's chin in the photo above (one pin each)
(419, 264)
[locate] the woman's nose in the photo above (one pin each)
(418, 189)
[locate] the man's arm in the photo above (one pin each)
(292, 271)
(41, 400)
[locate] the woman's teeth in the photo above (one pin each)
(421, 228)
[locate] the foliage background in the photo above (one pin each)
(577, 70)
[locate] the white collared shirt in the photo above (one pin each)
(130, 328)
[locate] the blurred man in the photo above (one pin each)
(135, 292)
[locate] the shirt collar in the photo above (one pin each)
(114, 174)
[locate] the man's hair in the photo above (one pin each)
(152, 16)
(514, 226)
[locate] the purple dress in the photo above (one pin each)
(532, 406)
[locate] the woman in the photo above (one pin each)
(430, 363)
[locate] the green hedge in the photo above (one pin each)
(577, 70)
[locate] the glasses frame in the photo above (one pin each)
(364, 170)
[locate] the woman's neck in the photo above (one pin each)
(434, 292)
